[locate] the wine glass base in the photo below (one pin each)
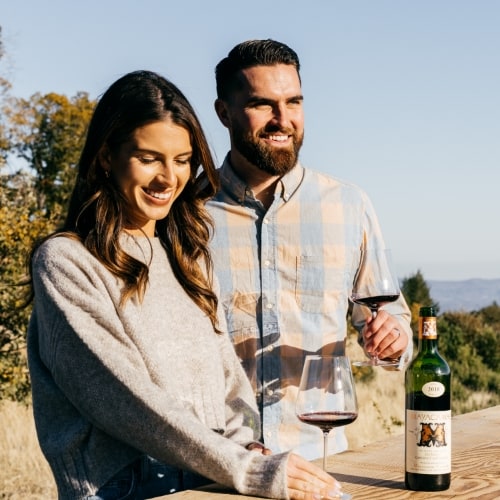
(377, 362)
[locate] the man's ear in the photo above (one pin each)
(222, 112)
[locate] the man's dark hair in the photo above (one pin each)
(248, 54)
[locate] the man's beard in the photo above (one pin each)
(274, 161)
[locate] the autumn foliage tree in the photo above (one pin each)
(40, 141)
(20, 225)
(45, 132)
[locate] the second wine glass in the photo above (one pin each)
(375, 286)
(327, 396)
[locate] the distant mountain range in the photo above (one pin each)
(468, 295)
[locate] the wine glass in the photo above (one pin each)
(375, 286)
(327, 396)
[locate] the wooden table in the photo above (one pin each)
(376, 471)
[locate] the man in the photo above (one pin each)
(288, 244)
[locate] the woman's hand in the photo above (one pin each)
(259, 448)
(307, 481)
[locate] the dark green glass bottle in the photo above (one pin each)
(428, 412)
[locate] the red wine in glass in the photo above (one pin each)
(327, 420)
(375, 303)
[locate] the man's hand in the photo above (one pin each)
(384, 336)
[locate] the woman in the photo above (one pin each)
(136, 388)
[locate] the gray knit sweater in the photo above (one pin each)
(110, 384)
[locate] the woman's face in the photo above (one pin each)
(151, 170)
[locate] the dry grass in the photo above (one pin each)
(381, 403)
(25, 475)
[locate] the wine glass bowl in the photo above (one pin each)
(375, 286)
(327, 396)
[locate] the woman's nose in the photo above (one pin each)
(167, 173)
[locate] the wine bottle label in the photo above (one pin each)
(427, 328)
(428, 442)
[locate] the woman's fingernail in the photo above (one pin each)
(335, 493)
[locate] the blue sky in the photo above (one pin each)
(401, 97)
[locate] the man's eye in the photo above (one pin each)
(261, 106)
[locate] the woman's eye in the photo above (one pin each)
(147, 159)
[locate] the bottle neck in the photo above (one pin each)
(427, 345)
(427, 334)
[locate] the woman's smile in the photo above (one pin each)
(151, 169)
(159, 195)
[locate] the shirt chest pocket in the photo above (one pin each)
(319, 287)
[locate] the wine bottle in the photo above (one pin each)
(428, 412)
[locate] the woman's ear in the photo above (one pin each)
(104, 157)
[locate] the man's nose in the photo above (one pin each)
(281, 116)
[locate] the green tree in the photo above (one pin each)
(416, 290)
(491, 314)
(417, 294)
(471, 347)
(470, 344)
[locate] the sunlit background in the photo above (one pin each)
(401, 97)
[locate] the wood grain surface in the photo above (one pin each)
(376, 471)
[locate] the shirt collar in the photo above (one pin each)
(232, 183)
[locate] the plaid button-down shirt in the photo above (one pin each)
(286, 275)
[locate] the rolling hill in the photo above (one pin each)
(468, 295)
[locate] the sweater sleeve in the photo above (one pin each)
(97, 366)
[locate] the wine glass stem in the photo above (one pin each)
(374, 357)
(325, 448)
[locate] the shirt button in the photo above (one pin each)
(269, 392)
(266, 221)
(269, 305)
(267, 263)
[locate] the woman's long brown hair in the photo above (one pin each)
(96, 215)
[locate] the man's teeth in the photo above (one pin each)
(160, 196)
(279, 138)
